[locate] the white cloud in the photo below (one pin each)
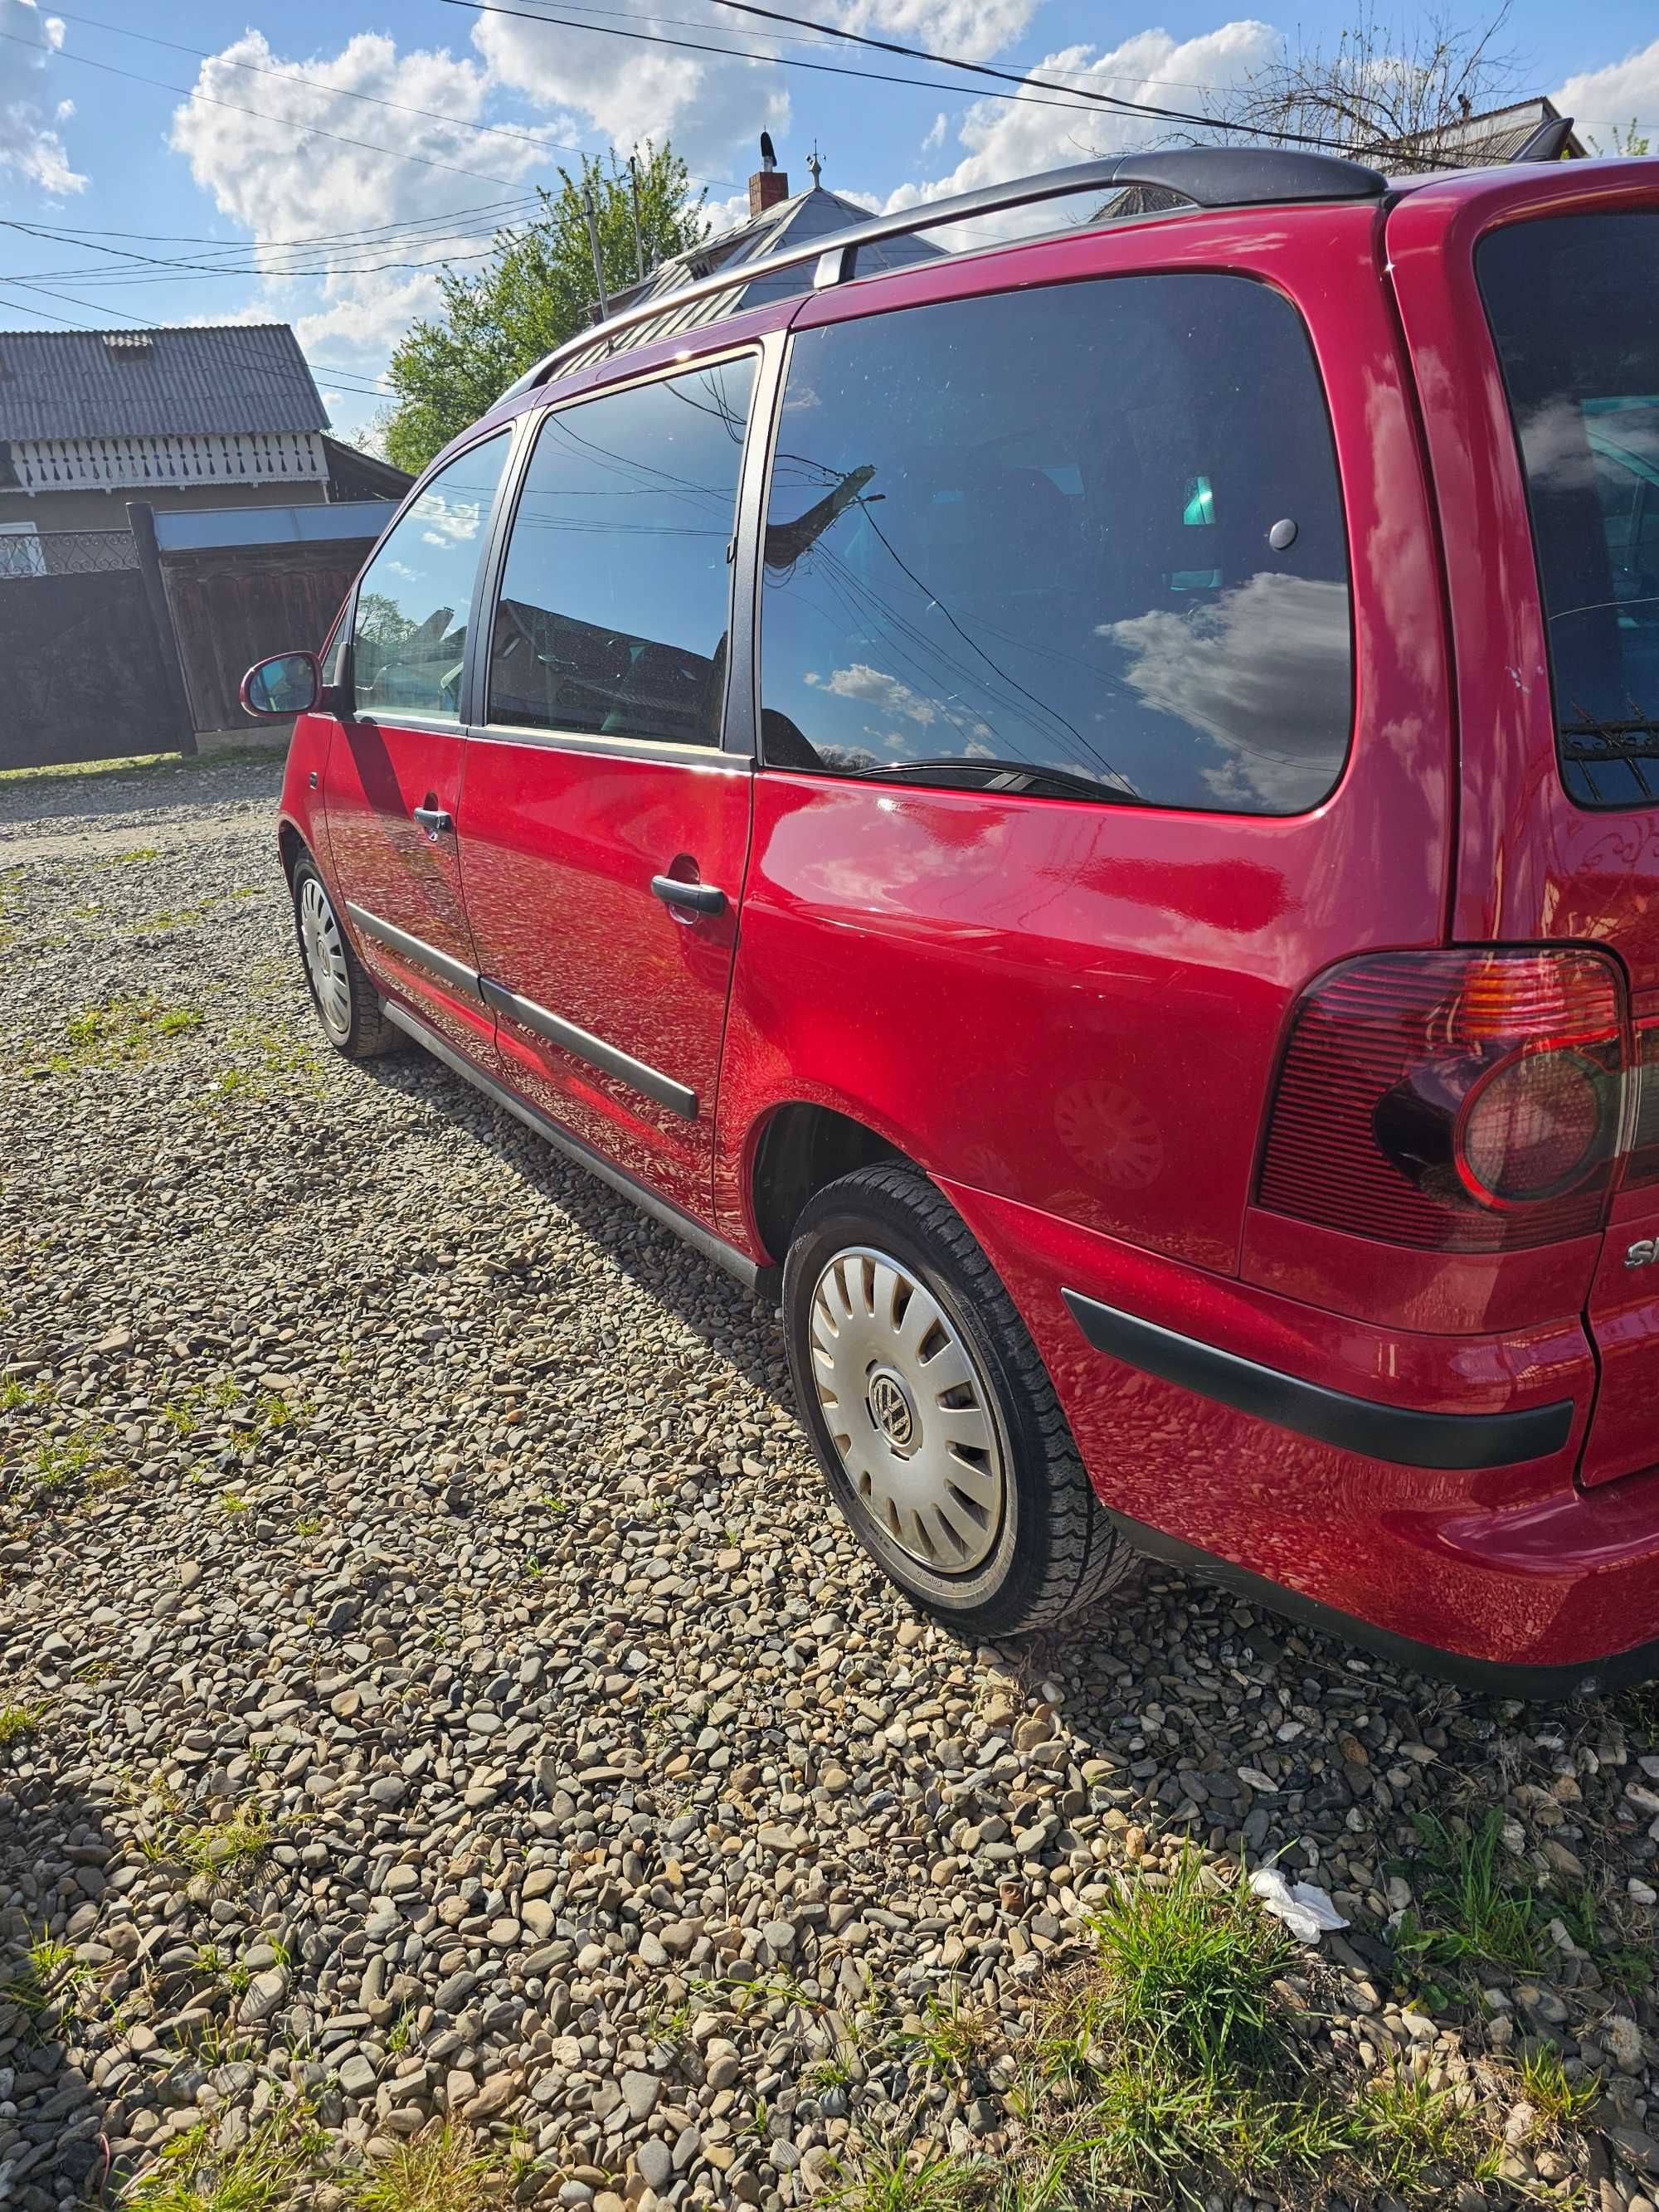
(713, 110)
(1606, 100)
(1003, 139)
(1263, 670)
(975, 29)
(281, 181)
(30, 146)
(935, 138)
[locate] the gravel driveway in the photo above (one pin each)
(431, 1682)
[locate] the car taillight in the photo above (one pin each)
(1455, 1101)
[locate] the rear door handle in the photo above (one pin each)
(435, 821)
(700, 898)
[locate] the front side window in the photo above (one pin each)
(1081, 542)
(1573, 302)
(408, 635)
(616, 591)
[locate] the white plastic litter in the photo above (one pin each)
(1305, 1908)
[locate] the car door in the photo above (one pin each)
(393, 780)
(608, 791)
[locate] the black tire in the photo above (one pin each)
(352, 1018)
(1054, 1551)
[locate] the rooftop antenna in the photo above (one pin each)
(594, 240)
(634, 187)
(815, 167)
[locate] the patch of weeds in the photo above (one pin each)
(310, 1524)
(956, 2038)
(49, 1970)
(261, 2175)
(261, 1061)
(18, 1722)
(1555, 2098)
(60, 1469)
(1627, 1966)
(1189, 1969)
(1471, 1907)
(134, 853)
(216, 1849)
(181, 1413)
(232, 1501)
(118, 1031)
(440, 2172)
(1410, 2137)
(17, 1396)
(1172, 2068)
(895, 2177)
(401, 2034)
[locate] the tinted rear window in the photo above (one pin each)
(1573, 302)
(1080, 542)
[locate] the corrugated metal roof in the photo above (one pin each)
(124, 384)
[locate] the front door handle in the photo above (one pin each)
(435, 821)
(700, 898)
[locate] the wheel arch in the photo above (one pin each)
(799, 1147)
(290, 843)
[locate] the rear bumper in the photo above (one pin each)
(1412, 1492)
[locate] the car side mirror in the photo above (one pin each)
(288, 683)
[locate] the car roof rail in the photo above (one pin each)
(1208, 176)
(1547, 141)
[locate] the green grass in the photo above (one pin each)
(48, 1972)
(1408, 2136)
(441, 2172)
(1189, 1970)
(17, 1723)
(218, 1851)
(896, 2177)
(119, 1030)
(1544, 2086)
(264, 2175)
(955, 2037)
(1470, 1907)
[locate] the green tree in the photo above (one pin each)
(536, 290)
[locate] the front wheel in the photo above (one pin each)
(342, 990)
(933, 1416)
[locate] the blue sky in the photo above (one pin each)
(99, 166)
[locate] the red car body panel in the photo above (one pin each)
(1071, 1016)
(560, 849)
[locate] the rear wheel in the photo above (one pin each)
(934, 1418)
(342, 990)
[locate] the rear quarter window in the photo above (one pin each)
(1085, 541)
(1573, 303)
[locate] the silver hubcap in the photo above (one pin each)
(909, 1411)
(325, 956)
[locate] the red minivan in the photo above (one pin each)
(1085, 812)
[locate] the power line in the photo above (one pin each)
(248, 361)
(78, 231)
(1007, 76)
(316, 84)
(820, 69)
(264, 115)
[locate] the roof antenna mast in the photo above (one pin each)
(594, 240)
(634, 187)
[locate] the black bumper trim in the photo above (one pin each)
(1498, 1678)
(417, 951)
(609, 1059)
(1395, 1433)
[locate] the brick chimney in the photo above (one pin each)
(766, 188)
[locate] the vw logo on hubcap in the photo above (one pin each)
(891, 1410)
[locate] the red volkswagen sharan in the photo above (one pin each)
(1086, 812)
